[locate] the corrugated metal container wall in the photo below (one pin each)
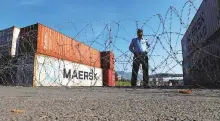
(185, 51)
(8, 41)
(8, 71)
(205, 69)
(203, 25)
(28, 40)
(5, 41)
(25, 70)
(200, 53)
(107, 60)
(109, 77)
(186, 71)
(95, 58)
(55, 44)
(50, 71)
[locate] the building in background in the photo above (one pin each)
(119, 77)
(166, 81)
(201, 47)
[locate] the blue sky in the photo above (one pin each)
(90, 21)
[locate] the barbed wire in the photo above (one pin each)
(165, 53)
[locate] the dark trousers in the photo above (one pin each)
(140, 58)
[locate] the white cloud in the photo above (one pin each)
(31, 2)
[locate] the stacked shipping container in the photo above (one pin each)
(107, 63)
(52, 71)
(8, 41)
(46, 41)
(46, 57)
(56, 60)
(8, 45)
(107, 60)
(200, 46)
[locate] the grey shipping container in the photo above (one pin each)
(203, 25)
(8, 41)
(25, 70)
(186, 75)
(8, 49)
(8, 71)
(200, 46)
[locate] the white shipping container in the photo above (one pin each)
(204, 24)
(8, 41)
(50, 71)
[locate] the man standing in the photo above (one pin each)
(139, 47)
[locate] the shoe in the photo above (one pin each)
(147, 87)
(133, 86)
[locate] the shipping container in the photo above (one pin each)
(25, 70)
(205, 23)
(43, 70)
(200, 47)
(109, 77)
(8, 70)
(8, 41)
(204, 64)
(40, 39)
(44, 57)
(107, 60)
(186, 69)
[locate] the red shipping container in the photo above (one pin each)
(107, 60)
(109, 77)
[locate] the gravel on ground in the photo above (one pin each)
(108, 104)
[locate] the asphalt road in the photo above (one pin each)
(107, 104)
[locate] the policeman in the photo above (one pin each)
(139, 47)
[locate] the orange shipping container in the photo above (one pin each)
(44, 40)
